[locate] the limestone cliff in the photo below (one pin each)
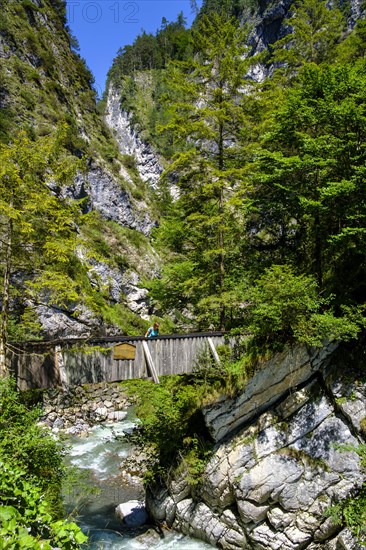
(129, 141)
(44, 83)
(276, 468)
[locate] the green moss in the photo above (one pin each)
(341, 401)
(363, 426)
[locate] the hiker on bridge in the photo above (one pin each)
(152, 331)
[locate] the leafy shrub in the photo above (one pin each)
(30, 478)
(284, 307)
(172, 432)
(27, 444)
(171, 428)
(25, 521)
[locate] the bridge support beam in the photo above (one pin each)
(60, 367)
(150, 362)
(213, 350)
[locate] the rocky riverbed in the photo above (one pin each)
(107, 490)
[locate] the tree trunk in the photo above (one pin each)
(221, 231)
(5, 301)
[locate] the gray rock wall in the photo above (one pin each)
(118, 120)
(284, 371)
(103, 193)
(269, 485)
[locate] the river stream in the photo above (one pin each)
(98, 487)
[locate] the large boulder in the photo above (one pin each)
(133, 513)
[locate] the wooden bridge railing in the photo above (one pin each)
(77, 362)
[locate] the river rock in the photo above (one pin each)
(133, 513)
(82, 407)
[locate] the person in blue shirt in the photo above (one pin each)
(152, 331)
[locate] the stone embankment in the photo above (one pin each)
(277, 467)
(76, 410)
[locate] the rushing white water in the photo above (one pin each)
(99, 488)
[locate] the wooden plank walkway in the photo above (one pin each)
(77, 362)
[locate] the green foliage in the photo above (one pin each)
(166, 411)
(194, 460)
(284, 307)
(31, 470)
(207, 121)
(354, 46)
(315, 31)
(172, 432)
(43, 86)
(310, 180)
(118, 246)
(35, 220)
(25, 521)
(27, 444)
(228, 8)
(119, 315)
(171, 41)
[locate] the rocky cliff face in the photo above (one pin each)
(129, 141)
(269, 20)
(276, 468)
(43, 83)
(106, 195)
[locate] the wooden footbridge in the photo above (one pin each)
(77, 362)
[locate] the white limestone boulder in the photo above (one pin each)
(133, 513)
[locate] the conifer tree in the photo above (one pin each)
(310, 192)
(208, 126)
(315, 29)
(38, 228)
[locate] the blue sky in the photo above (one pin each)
(104, 26)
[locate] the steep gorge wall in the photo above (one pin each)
(129, 141)
(43, 83)
(269, 24)
(276, 470)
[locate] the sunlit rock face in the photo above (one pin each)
(103, 193)
(129, 141)
(275, 472)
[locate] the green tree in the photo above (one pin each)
(208, 125)
(354, 46)
(315, 29)
(310, 184)
(283, 307)
(38, 229)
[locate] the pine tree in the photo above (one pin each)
(310, 182)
